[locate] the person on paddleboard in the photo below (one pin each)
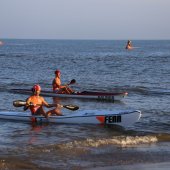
(129, 45)
(57, 87)
(36, 102)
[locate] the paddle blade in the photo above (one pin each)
(73, 81)
(19, 103)
(71, 107)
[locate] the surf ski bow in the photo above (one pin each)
(119, 117)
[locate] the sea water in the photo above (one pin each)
(97, 65)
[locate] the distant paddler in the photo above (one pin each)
(57, 87)
(129, 45)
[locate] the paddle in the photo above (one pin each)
(73, 81)
(20, 103)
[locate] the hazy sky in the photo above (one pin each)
(85, 19)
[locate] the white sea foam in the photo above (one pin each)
(122, 141)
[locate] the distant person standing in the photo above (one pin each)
(1, 43)
(129, 45)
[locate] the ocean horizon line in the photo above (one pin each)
(52, 39)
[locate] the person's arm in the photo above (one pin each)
(28, 101)
(54, 83)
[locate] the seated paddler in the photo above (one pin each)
(57, 87)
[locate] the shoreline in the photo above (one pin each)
(144, 166)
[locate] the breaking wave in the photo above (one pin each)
(84, 146)
(121, 141)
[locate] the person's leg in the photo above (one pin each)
(64, 90)
(56, 111)
(41, 111)
(68, 90)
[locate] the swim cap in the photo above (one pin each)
(57, 71)
(36, 87)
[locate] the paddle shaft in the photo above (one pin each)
(20, 103)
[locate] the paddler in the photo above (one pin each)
(36, 102)
(57, 87)
(129, 45)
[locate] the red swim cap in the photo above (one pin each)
(57, 71)
(36, 87)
